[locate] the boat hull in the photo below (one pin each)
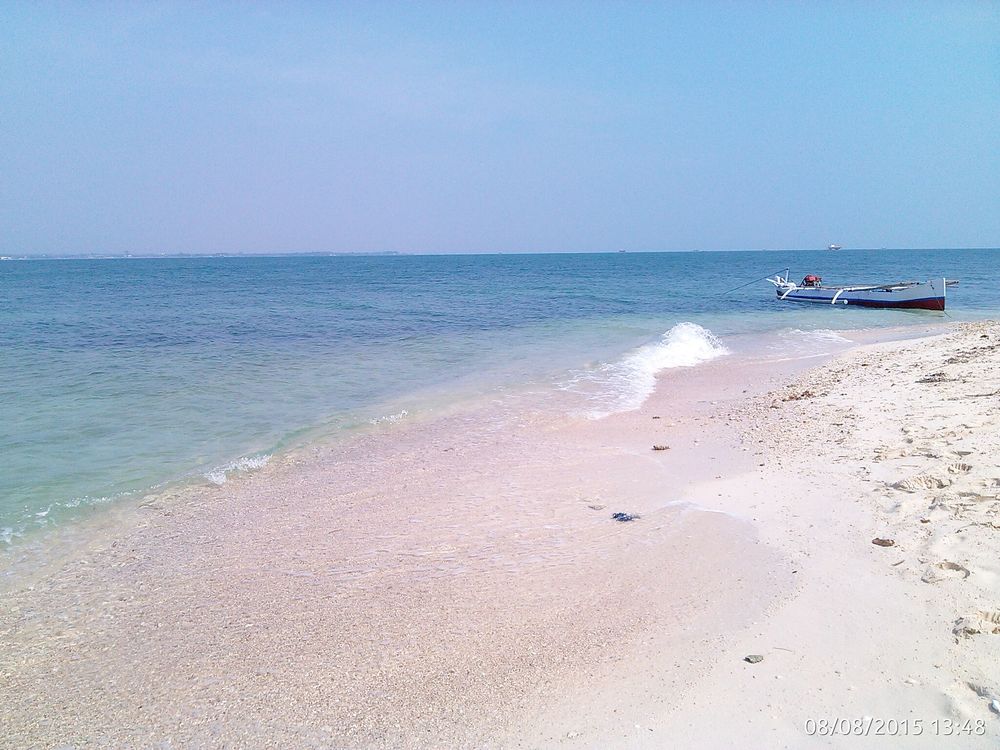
(928, 296)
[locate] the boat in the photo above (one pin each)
(833, 247)
(909, 295)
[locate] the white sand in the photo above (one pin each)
(459, 583)
(888, 449)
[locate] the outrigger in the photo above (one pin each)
(912, 295)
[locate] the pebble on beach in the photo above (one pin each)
(624, 517)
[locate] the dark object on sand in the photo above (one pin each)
(661, 447)
(884, 542)
(753, 658)
(799, 396)
(623, 517)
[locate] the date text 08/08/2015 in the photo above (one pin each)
(868, 726)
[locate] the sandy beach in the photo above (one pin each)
(459, 581)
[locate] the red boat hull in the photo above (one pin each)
(933, 303)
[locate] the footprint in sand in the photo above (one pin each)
(921, 482)
(981, 622)
(978, 497)
(889, 454)
(944, 570)
(959, 468)
(990, 622)
(931, 481)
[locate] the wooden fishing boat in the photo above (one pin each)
(912, 295)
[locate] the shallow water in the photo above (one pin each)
(120, 375)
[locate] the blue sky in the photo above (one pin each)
(480, 127)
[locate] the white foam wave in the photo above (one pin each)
(624, 385)
(220, 475)
(389, 418)
(819, 334)
(49, 515)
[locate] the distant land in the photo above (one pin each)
(119, 256)
(329, 254)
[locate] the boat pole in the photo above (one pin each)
(755, 281)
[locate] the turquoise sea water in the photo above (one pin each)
(120, 375)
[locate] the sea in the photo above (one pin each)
(124, 375)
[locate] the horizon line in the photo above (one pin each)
(129, 255)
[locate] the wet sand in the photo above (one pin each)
(459, 581)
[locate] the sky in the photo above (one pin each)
(497, 126)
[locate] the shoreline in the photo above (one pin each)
(420, 406)
(443, 619)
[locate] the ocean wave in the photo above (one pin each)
(624, 385)
(49, 515)
(220, 475)
(817, 334)
(389, 418)
(56, 511)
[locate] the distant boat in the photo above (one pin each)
(833, 247)
(912, 295)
